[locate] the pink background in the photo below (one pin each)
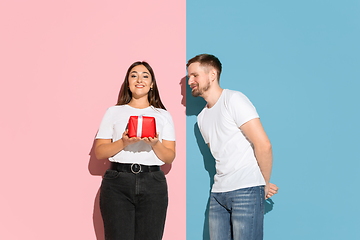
(61, 67)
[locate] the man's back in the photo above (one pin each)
(236, 165)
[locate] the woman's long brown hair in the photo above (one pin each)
(125, 94)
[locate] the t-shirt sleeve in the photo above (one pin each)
(168, 131)
(241, 109)
(199, 121)
(106, 127)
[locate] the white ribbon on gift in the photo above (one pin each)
(139, 126)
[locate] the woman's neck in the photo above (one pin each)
(139, 103)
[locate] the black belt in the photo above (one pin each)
(133, 167)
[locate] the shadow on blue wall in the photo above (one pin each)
(209, 165)
(194, 105)
(193, 108)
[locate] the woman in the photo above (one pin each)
(133, 195)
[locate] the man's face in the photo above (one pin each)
(199, 79)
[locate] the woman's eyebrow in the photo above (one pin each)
(140, 72)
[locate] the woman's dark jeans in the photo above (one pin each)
(133, 206)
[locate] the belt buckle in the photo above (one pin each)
(135, 165)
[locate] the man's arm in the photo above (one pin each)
(255, 133)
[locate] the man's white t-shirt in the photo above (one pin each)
(115, 122)
(236, 165)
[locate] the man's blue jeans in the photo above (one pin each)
(237, 214)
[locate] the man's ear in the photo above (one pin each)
(213, 74)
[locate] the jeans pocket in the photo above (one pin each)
(159, 176)
(111, 174)
(262, 199)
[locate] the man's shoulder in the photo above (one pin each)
(234, 96)
(230, 93)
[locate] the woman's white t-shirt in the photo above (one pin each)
(115, 122)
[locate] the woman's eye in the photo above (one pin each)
(133, 76)
(146, 76)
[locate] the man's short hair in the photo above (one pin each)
(207, 60)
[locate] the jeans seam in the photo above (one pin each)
(253, 217)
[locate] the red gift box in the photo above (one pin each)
(141, 126)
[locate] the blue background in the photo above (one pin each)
(299, 63)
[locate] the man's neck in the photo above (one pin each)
(212, 95)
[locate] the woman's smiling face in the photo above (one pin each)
(140, 81)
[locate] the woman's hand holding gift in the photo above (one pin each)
(129, 140)
(151, 141)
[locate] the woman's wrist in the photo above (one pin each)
(123, 143)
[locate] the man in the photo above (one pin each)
(232, 129)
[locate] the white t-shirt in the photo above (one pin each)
(236, 165)
(115, 123)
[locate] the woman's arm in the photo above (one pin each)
(105, 148)
(164, 150)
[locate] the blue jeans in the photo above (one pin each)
(133, 206)
(237, 214)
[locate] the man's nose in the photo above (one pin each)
(190, 80)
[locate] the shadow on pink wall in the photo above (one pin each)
(183, 84)
(98, 168)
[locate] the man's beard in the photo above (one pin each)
(199, 92)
